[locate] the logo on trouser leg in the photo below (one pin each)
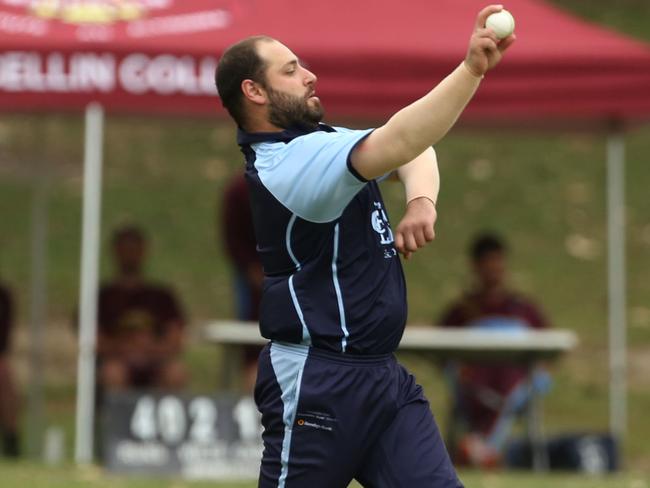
(316, 420)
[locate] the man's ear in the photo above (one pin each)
(254, 92)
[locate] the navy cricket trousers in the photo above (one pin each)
(329, 418)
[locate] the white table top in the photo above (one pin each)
(461, 343)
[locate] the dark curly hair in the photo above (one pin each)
(486, 243)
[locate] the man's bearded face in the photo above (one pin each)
(287, 110)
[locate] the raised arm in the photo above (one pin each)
(410, 131)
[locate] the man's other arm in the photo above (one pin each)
(421, 181)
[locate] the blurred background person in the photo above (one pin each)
(141, 324)
(240, 246)
(8, 395)
(487, 397)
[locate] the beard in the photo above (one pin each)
(287, 111)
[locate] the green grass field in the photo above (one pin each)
(28, 475)
(544, 191)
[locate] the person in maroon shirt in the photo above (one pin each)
(8, 396)
(240, 245)
(487, 396)
(140, 330)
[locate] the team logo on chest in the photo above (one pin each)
(381, 226)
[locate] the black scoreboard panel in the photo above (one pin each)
(195, 437)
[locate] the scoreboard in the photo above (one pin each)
(195, 437)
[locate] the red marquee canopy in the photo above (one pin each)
(372, 56)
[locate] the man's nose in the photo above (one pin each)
(310, 78)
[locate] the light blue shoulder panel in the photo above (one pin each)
(310, 174)
(379, 179)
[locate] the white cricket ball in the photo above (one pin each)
(502, 23)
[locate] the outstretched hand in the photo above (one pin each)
(416, 228)
(485, 49)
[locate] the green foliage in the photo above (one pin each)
(629, 16)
